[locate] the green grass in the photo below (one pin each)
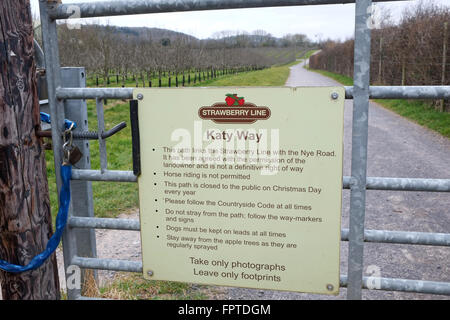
(308, 54)
(110, 199)
(345, 80)
(135, 287)
(275, 76)
(419, 111)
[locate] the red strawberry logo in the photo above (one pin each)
(234, 100)
(235, 110)
(229, 100)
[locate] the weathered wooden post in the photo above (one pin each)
(25, 219)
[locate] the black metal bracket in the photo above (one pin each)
(136, 149)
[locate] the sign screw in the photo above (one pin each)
(140, 96)
(150, 273)
(330, 287)
(334, 95)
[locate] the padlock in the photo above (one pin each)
(75, 155)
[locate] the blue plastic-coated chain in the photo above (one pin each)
(61, 220)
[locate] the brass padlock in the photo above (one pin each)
(74, 154)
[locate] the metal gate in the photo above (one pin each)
(66, 96)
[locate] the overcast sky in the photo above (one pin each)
(317, 22)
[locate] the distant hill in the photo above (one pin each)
(227, 39)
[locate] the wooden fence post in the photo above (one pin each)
(25, 220)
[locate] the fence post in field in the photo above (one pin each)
(25, 219)
(380, 62)
(444, 63)
(403, 72)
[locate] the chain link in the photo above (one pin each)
(67, 144)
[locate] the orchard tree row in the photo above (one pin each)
(143, 55)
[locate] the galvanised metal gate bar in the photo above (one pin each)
(375, 92)
(358, 183)
(372, 183)
(125, 7)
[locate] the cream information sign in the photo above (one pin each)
(242, 186)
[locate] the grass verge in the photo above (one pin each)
(274, 76)
(308, 54)
(418, 111)
(135, 287)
